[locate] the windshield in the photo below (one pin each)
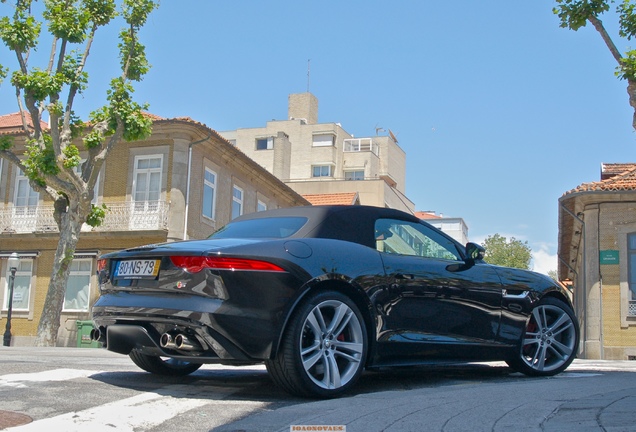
(280, 227)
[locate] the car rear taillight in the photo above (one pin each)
(194, 264)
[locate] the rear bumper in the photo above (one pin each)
(219, 331)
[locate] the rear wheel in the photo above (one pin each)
(324, 348)
(163, 365)
(550, 341)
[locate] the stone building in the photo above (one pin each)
(184, 181)
(597, 256)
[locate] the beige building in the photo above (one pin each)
(322, 158)
(597, 256)
(184, 181)
(453, 226)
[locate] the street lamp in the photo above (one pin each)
(12, 263)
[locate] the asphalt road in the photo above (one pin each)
(80, 389)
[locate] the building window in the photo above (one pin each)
(147, 182)
(25, 196)
(261, 206)
(21, 286)
(209, 193)
(324, 140)
(321, 171)
(237, 202)
(265, 143)
(78, 287)
(354, 175)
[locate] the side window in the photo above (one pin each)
(265, 143)
(147, 179)
(409, 238)
(78, 285)
(21, 286)
(237, 202)
(209, 194)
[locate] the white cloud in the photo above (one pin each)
(543, 261)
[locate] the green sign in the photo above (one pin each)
(609, 257)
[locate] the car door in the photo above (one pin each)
(435, 305)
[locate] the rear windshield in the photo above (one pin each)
(280, 227)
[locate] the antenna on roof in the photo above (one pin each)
(308, 73)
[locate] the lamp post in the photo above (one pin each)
(12, 263)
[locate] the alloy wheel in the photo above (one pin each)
(331, 344)
(550, 340)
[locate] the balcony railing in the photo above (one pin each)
(361, 145)
(120, 216)
(632, 309)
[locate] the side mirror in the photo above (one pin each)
(475, 251)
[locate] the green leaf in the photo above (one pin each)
(574, 14)
(66, 23)
(21, 33)
(96, 217)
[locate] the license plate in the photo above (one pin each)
(135, 269)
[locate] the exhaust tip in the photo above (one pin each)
(96, 335)
(183, 343)
(167, 341)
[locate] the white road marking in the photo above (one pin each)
(141, 412)
(18, 380)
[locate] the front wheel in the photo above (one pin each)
(550, 341)
(159, 366)
(324, 348)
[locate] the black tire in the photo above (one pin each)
(159, 366)
(550, 341)
(323, 349)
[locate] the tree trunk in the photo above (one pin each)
(631, 91)
(70, 225)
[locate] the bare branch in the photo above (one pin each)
(598, 25)
(52, 55)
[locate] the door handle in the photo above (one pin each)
(519, 296)
(401, 276)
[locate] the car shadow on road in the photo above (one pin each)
(253, 383)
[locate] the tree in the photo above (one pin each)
(52, 157)
(513, 253)
(575, 14)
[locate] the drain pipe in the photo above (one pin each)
(584, 276)
(187, 200)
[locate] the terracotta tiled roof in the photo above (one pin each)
(626, 181)
(609, 170)
(426, 215)
(13, 122)
(344, 198)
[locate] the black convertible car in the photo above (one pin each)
(320, 293)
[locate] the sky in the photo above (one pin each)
(499, 110)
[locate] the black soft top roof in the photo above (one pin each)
(350, 223)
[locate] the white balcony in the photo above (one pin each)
(361, 145)
(120, 216)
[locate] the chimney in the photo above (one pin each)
(303, 106)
